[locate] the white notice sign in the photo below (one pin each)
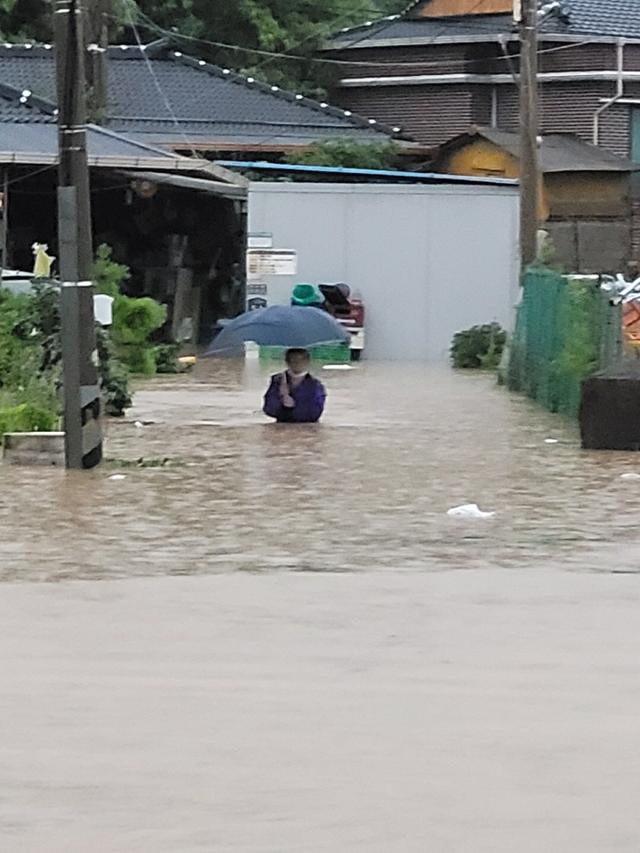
(261, 262)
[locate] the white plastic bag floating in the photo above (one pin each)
(468, 511)
(337, 367)
(630, 476)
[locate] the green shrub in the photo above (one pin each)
(479, 347)
(27, 418)
(134, 320)
(166, 357)
(108, 276)
(114, 377)
(348, 153)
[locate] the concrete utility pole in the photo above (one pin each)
(529, 160)
(83, 438)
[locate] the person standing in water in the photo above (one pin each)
(295, 396)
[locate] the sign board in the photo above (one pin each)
(260, 240)
(261, 262)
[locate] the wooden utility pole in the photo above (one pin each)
(83, 438)
(529, 160)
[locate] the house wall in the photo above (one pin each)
(586, 213)
(392, 61)
(427, 260)
(484, 159)
(429, 114)
(444, 8)
(587, 194)
(433, 113)
(592, 247)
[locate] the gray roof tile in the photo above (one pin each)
(173, 94)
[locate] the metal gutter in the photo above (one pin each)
(490, 79)
(425, 41)
(611, 101)
(218, 188)
(416, 177)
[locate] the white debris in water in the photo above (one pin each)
(337, 367)
(631, 475)
(117, 477)
(139, 425)
(551, 441)
(468, 511)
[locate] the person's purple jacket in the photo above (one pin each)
(309, 397)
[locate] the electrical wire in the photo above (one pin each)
(29, 175)
(157, 83)
(147, 24)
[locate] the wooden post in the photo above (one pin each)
(83, 439)
(529, 160)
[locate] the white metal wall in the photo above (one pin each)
(428, 260)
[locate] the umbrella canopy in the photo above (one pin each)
(280, 326)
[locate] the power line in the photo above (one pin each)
(174, 34)
(158, 85)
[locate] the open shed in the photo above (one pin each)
(177, 222)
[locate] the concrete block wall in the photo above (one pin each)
(33, 448)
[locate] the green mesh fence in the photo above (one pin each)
(566, 330)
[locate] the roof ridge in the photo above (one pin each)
(26, 98)
(271, 89)
(163, 52)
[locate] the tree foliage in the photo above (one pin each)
(348, 154)
(291, 27)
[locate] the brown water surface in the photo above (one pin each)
(366, 490)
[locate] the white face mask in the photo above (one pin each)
(298, 375)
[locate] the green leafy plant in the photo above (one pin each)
(109, 276)
(29, 371)
(348, 153)
(166, 357)
(114, 377)
(26, 417)
(579, 356)
(134, 319)
(479, 347)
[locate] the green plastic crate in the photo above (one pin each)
(326, 353)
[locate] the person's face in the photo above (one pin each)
(298, 363)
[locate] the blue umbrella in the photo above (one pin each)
(280, 326)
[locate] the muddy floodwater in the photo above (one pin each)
(367, 490)
(279, 642)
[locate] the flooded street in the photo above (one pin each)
(367, 490)
(279, 641)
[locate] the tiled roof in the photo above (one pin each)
(29, 134)
(168, 95)
(20, 106)
(427, 29)
(604, 18)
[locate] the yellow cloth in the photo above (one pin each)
(43, 261)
